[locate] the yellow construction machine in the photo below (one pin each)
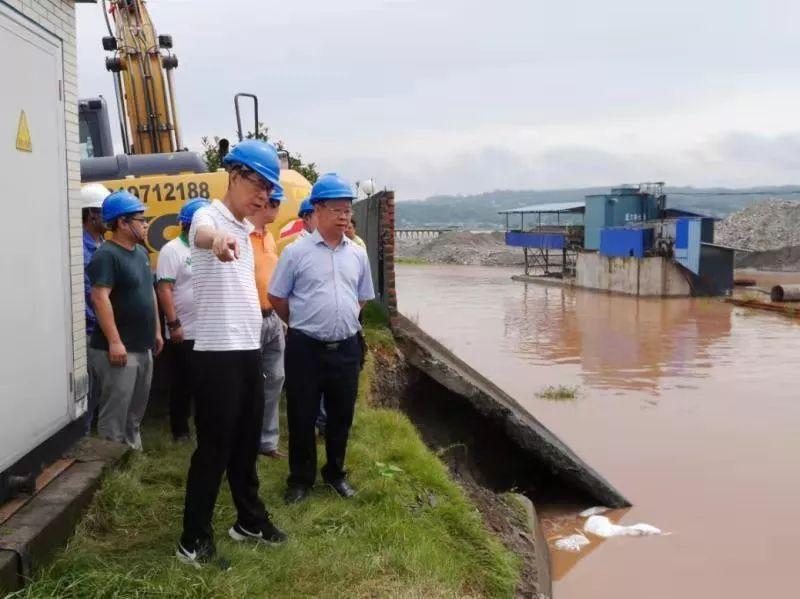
(155, 166)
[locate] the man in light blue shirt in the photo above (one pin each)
(318, 288)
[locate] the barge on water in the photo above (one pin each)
(626, 241)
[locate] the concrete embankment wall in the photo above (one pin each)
(647, 277)
(480, 428)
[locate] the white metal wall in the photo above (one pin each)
(42, 345)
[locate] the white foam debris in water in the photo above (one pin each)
(572, 543)
(603, 527)
(593, 511)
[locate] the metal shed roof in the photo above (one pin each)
(548, 208)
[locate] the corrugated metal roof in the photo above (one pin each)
(556, 207)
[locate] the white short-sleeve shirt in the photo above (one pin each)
(225, 295)
(175, 266)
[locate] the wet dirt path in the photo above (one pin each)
(691, 407)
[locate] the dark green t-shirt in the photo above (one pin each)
(127, 273)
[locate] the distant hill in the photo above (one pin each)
(481, 211)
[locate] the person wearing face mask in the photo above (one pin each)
(127, 334)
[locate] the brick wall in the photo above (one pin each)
(375, 225)
(58, 18)
(387, 238)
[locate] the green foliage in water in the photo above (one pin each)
(559, 393)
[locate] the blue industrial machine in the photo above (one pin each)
(630, 222)
(626, 243)
(624, 206)
(684, 237)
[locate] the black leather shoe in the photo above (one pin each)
(296, 494)
(343, 488)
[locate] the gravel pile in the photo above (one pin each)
(765, 225)
(770, 229)
(785, 259)
(462, 247)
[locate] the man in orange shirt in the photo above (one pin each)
(273, 343)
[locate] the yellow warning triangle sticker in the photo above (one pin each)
(24, 134)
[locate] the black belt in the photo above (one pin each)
(267, 313)
(327, 345)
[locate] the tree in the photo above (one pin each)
(211, 154)
(307, 169)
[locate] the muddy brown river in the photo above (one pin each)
(691, 407)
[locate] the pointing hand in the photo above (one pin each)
(225, 248)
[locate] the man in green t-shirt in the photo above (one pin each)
(121, 348)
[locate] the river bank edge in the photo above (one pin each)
(501, 552)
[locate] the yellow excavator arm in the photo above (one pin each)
(157, 169)
(143, 68)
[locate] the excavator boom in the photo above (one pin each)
(142, 68)
(156, 167)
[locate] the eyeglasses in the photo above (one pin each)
(138, 219)
(257, 180)
(346, 212)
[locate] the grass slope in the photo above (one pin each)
(410, 532)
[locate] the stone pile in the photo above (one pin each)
(462, 247)
(765, 225)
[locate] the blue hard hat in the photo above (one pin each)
(119, 204)
(305, 207)
(258, 156)
(189, 208)
(331, 186)
(277, 194)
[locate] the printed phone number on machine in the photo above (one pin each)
(169, 192)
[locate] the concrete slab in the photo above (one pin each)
(30, 538)
(543, 564)
(653, 276)
(531, 446)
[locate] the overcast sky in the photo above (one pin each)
(465, 96)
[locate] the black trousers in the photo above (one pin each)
(181, 388)
(314, 368)
(229, 407)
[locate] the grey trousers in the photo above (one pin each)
(273, 344)
(91, 396)
(122, 395)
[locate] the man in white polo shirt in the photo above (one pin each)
(227, 355)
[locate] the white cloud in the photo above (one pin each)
(440, 96)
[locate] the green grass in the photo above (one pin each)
(391, 540)
(374, 315)
(376, 326)
(559, 393)
(409, 261)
